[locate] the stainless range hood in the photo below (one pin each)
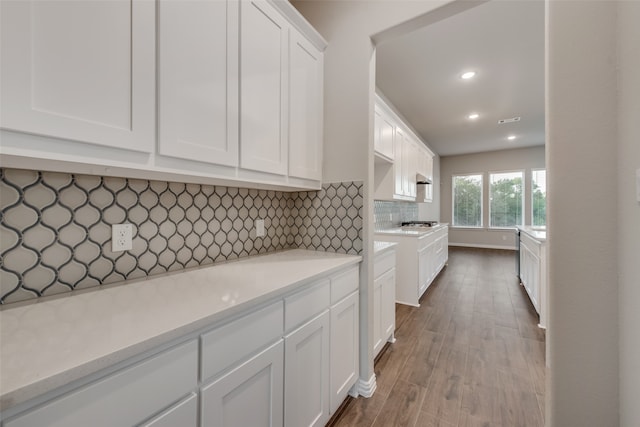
(422, 180)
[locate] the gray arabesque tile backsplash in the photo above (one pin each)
(55, 228)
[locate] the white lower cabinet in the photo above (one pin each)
(420, 259)
(384, 299)
(289, 362)
(306, 376)
(533, 273)
(388, 305)
(125, 398)
(249, 395)
(344, 349)
(384, 318)
(425, 268)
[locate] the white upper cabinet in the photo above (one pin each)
(263, 88)
(80, 70)
(400, 158)
(236, 87)
(409, 163)
(383, 138)
(305, 108)
(197, 80)
(399, 163)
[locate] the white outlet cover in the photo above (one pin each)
(121, 237)
(259, 227)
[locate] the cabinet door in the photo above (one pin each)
(305, 109)
(184, 414)
(388, 304)
(424, 270)
(344, 349)
(534, 282)
(306, 376)
(409, 164)
(530, 274)
(249, 395)
(80, 70)
(263, 88)
(197, 80)
(377, 315)
(384, 135)
(399, 161)
(427, 159)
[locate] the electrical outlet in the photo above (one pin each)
(121, 237)
(259, 227)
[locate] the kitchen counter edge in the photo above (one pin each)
(16, 391)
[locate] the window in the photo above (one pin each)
(539, 198)
(467, 200)
(505, 199)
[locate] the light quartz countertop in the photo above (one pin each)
(539, 234)
(398, 231)
(380, 247)
(49, 344)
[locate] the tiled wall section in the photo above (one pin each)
(328, 220)
(55, 229)
(392, 214)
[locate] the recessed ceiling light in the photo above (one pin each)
(473, 116)
(468, 75)
(511, 137)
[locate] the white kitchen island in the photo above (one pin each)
(533, 269)
(421, 255)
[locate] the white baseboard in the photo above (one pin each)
(364, 388)
(478, 245)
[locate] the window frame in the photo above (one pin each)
(453, 200)
(545, 196)
(522, 172)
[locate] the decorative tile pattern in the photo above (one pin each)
(55, 229)
(392, 214)
(328, 220)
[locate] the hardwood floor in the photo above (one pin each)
(470, 356)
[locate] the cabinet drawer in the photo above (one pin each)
(343, 284)
(383, 263)
(233, 342)
(125, 398)
(532, 244)
(425, 241)
(183, 414)
(306, 304)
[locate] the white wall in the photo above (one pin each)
(524, 159)
(582, 214)
(349, 87)
(629, 210)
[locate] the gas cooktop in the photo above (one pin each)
(419, 224)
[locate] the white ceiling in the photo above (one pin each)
(503, 41)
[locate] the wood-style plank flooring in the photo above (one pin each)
(471, 355)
